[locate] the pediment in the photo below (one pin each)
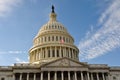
(65, 62)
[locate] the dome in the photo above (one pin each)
(52, 25)
(52, 42)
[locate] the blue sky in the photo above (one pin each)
(94, 24)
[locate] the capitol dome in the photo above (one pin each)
(52, 42)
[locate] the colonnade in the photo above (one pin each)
(53, 52)
(53, 38)
(61, 75)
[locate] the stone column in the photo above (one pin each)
(73, 54)
(103, 76)
(75, 75)
(48, 75)
(13, 76)
(41, 53)
(69, 53)
(68, 75)
(107, 76)
(55, 52)
(91, 76)
(34, 76)
(20, 76)
(46, 53)
(55, 76)
(37, 55)
(81, 76)
(50, 51)
(27, 76)
(41, 75)
(62, 74)
(60, 52)
(97, 76)
(88, 76)
(65, 52)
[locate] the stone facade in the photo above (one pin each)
(55, 57)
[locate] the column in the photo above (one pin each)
(65, 52)
(68, 75)
(55, 76)
(41, 53)
(27, 76)
(81, 76)
(62, 75)
(91, 76)
(88, 76)
(69, 53)
(48, 75)
(34, 76)
(13, 76)
(72, 53)
(75, 75)
(50, 51)
(103, 76)
(20, 76)
(34, 55)
(55, 52)
(107, 77)
(46, 53)
(37, 55)
(41, 75)
(60, 52)
(97, 76)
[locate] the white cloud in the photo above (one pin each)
(12, 52)
(107, 37)
(18, 60)
(6, 6)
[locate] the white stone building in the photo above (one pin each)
(55, 57)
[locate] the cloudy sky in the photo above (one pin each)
(94, 24)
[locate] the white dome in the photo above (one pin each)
(52, 42)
